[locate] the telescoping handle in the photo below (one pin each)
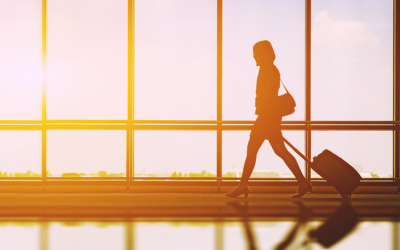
(296, 150)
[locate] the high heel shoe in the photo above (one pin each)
(238, 192)
(303, 189)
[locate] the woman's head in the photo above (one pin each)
(263, 53)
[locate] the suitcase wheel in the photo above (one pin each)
(346, 196)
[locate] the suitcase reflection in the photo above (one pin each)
(339, 225)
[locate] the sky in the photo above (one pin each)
(175, 78)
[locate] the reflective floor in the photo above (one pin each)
(326, 223)
(208, 234)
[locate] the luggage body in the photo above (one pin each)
(337, 172)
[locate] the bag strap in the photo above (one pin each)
(284, 86)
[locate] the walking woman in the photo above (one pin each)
(268, 123)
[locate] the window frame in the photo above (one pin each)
(218, 125)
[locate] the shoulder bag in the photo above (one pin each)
(286, 103)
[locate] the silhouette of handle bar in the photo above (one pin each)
(296, 150)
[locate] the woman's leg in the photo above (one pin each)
(252, 150)
(280, 150)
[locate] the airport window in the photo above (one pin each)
(134, 90)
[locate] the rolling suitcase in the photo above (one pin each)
(337, 172)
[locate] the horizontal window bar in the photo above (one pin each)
(184, 122)
(125, 126)
(171, 178)
(178, 183)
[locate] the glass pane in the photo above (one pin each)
(369, 152)
(99, 236)
(20, 153)
(177, 236)
(244, 24)
(175, 153)
(85, 153)
(352, 60)
(12, 233)
(268, 165)
(87, 59)
(21, 60)
(175, 59)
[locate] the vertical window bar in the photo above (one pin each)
(308, 85)
(44, 73)
(131, 51)
(219, 60)
(128, 156)
(396, 88)
(219, 90)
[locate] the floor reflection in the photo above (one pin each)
(343, 229)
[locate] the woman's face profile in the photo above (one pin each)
(258, 57)
(255, 58)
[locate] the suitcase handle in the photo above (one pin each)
(296, 150)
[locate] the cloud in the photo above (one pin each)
(340, 34)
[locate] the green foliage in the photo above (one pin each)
(48, 174)
(230, 174)
(374, 175)
(175, 174)
(98, 174)
(28, 173)
(116, 175)
(101, 173)
(201, 174)
(105, 174)
(71, 175)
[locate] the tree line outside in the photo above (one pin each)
(102, 173)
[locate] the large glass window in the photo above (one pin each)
(87, 59)
(86, 153)
(269, 165)
(21, 60)
(244, 24)
(175, 153)
(352, 60)
(369, 152)
(184, 62)
(175, 60)
(20, 153)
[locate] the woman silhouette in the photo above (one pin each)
(268, 123)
